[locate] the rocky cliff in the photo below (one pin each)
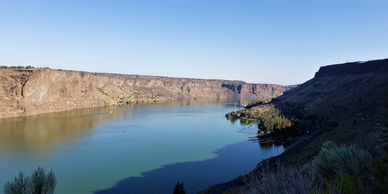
(30, 91)
(343, 103)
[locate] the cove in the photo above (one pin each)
(132, 149)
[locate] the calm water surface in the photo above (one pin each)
(131, 149)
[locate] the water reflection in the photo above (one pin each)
(101, 146)
(231, 102)
(43, 132)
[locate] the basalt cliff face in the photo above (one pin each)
(40, 90)
(340, 96)
(343, 103)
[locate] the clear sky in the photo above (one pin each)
(281, 42)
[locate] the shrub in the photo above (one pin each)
(382, 172)
(19, 185)
(334, 160)
(374, 142)
(345, 169)
(384, 186)
(282, 179)
(179, 188)
(40, 182)
(335, 169)
(350, 184)
(344, 184)
(17, 67)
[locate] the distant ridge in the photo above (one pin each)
(375, 66)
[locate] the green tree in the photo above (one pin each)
(40, 182)
(179, 188)
(21, 184)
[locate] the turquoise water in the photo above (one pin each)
(132, 149)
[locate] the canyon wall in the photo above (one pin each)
(41, 90)
(343, 103)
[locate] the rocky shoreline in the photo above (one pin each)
(272, 124)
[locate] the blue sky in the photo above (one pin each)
(281, 42)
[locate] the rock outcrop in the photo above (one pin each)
(30, 91)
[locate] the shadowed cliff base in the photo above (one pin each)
(229, 162)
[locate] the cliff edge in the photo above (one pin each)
(30, 91)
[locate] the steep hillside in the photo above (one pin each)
(343, 103)
(30, 91)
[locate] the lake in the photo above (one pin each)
(132, 149)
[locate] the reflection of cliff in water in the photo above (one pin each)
(42, 132)
(235, 101)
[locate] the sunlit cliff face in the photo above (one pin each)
(33, 91)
